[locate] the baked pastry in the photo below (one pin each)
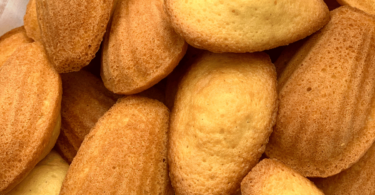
(31, 22)
(45, 179)
(84, 101)
(125, 153)
(326, 93)
(359, 179)
(270, 177)
(72, 30)
(30, 99)
(365, 5)
(245, 26)
(141, 47)
(10, 41)
(223, 114)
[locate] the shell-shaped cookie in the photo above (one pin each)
(141, 47)
(223, 114)
(125, 153)
(72, 30)
(325, 120)
(359, 179)
(30, 100)
(365, 5)
(10, 41)
(31, 22)
(245, 26)
(270, 177)
(84, 101)
(45, 179)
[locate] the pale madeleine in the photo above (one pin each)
(45, 179)
(271, 177)
(223, 114)
(245, 26)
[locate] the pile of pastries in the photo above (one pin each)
(189, 97)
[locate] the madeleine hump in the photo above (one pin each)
(223, 114)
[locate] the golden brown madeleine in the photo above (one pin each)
(223, 114)
(359, 179)
(45, 179)
(30, 99)
(245, 26)
(10, 41)
(271, 177)
(72, 30)
(175, 77)
(125, 153)
(141, 48)
(84, 101)
(365, 5)
(31, 22)
(326, 93)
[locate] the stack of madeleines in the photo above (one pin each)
(189, 97)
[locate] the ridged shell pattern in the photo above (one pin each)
(125, 153)
(359, 179)
(85, 100)
(326, 117)
(30, 98)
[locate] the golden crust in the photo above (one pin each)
(359, 179)
(132, 135)
(31, 22)
(84, 101)
(245, 26)
(270, 177)
(30, 99)
(325, 121)
(140, 49)
(223, 115)
(72, 30)
(10, 41)
(364, 5)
